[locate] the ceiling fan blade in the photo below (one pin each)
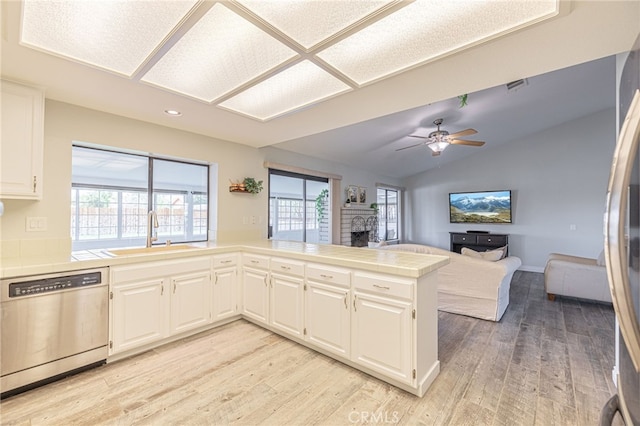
(466, 132)
(411, 146)
(464, 142)
(418, 136)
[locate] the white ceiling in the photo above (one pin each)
(365, 126)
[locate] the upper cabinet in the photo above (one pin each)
(22, 141)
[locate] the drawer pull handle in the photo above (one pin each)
(255, 261)
(345, 302)
(286, 268)
(226, 261)
(382, 287)
(329, 277)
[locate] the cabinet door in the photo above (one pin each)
(327, 317)
(381, 335)
(225, 289)
(190, 301)
(139, 313)
(22, 141)
(287, 300)
(255, 294)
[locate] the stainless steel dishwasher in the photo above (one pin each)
(52, 325)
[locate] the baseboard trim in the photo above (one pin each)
(528, 268)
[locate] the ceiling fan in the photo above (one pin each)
(438, 140)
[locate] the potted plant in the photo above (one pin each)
(252, 186)
(374, 206)
(320, 203)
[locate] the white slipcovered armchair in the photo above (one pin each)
(576, 276)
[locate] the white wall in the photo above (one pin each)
(65, 123)
(558, 178)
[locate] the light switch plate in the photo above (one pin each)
(36, 224)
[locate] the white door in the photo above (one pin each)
(327, 317)
(190, 307)
(287, 300)
(255, 294)
(224, 293)
(139, 314)
(381, 331)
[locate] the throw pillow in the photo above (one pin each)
(493, 255)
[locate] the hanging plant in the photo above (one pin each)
(252, 186)
(463, 100)
(320, 203)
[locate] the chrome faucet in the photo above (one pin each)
(152, 222)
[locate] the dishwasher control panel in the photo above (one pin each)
(47, 285)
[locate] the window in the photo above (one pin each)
(388, 214)
(293, 209)
(113, 192)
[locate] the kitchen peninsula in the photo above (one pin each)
(373, 310)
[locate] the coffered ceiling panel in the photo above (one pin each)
(115, 35)
(221, 52)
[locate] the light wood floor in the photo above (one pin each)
(545, 363)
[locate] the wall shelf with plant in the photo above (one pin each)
(248, 185)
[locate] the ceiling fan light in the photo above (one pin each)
(438, 146)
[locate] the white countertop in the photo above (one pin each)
(384, 261)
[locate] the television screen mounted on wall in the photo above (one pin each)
(480, 207)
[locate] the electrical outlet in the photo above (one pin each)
(36, 224)
(253, 220)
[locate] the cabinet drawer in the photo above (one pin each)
(222, 260)
(287, 266)
(384, 285)
(329, 274)
(492, 240)
(142, 271)
(255, 261)
(464, 238)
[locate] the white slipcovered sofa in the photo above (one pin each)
(470, 286)
(576, 276)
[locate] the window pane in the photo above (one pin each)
(176, 186)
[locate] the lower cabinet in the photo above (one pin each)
(190, 307)
(225, 286)
(381, 330)
(287, 301)
(328, 308)
(327, 317)
(138, 314)
(255, 294)
(153, 300)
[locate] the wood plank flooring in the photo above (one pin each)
(545, 363)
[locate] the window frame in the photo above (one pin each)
(190, 236)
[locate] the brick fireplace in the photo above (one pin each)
(358, 226)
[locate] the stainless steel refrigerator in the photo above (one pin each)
(622, 243)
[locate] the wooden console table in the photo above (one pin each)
(477, 242)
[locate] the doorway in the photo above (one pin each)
(298, 207)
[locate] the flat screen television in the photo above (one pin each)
(480, 207)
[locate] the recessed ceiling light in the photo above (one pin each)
(172, 112)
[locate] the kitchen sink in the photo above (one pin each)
(150, 250)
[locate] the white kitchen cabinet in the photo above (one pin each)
(225, 287)
(138, 313)
(327, 309)
(287, 296)
(255, 287)
(22, 141)
(154, 300)
(190, 301)
(382, 326)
